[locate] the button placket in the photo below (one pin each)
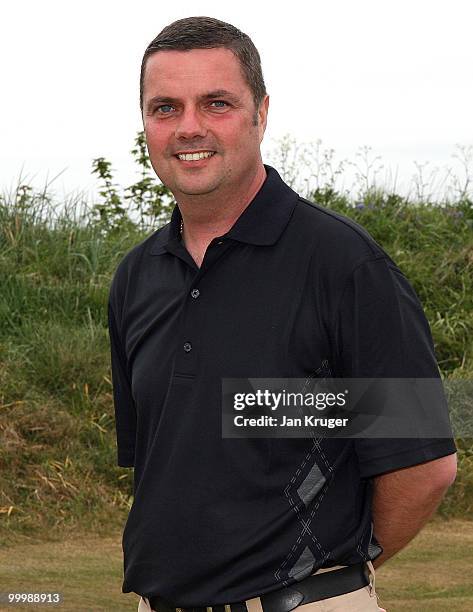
(188, 355)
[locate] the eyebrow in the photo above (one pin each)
(216, 93)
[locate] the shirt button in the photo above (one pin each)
(195, 293)
(187, 347)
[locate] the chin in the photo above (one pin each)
(195, 190)
(196, 187)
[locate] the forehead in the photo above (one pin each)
(183, 72)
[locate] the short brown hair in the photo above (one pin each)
(209, 33)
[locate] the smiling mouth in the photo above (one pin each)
(195, 156)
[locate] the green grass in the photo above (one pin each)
(432, 574)
(86, 570)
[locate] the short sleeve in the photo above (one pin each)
(125, 411)
(382, 332)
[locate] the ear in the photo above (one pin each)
(263, 116)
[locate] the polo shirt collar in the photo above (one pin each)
(261, 223)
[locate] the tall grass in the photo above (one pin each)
(57, 436)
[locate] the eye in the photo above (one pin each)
(162, 109)
(219, 102)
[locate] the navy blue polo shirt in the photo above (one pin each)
(291, 290)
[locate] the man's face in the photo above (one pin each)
(198, 101)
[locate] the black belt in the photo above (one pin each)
(312, 588)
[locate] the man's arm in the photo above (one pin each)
(125, 410)
(405, 499)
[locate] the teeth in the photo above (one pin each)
(195, 156)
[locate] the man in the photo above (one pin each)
(249, 281)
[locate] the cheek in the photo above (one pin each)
(156, 143)
(246, 140)
(156, 136)
(237, 136)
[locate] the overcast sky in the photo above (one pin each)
(393, 75)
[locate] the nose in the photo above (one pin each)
(190, 124)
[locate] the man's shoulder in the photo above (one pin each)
(144, 247)
(334, 233)
(134, 259)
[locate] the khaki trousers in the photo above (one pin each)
(361, 600)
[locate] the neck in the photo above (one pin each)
(204, 220)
